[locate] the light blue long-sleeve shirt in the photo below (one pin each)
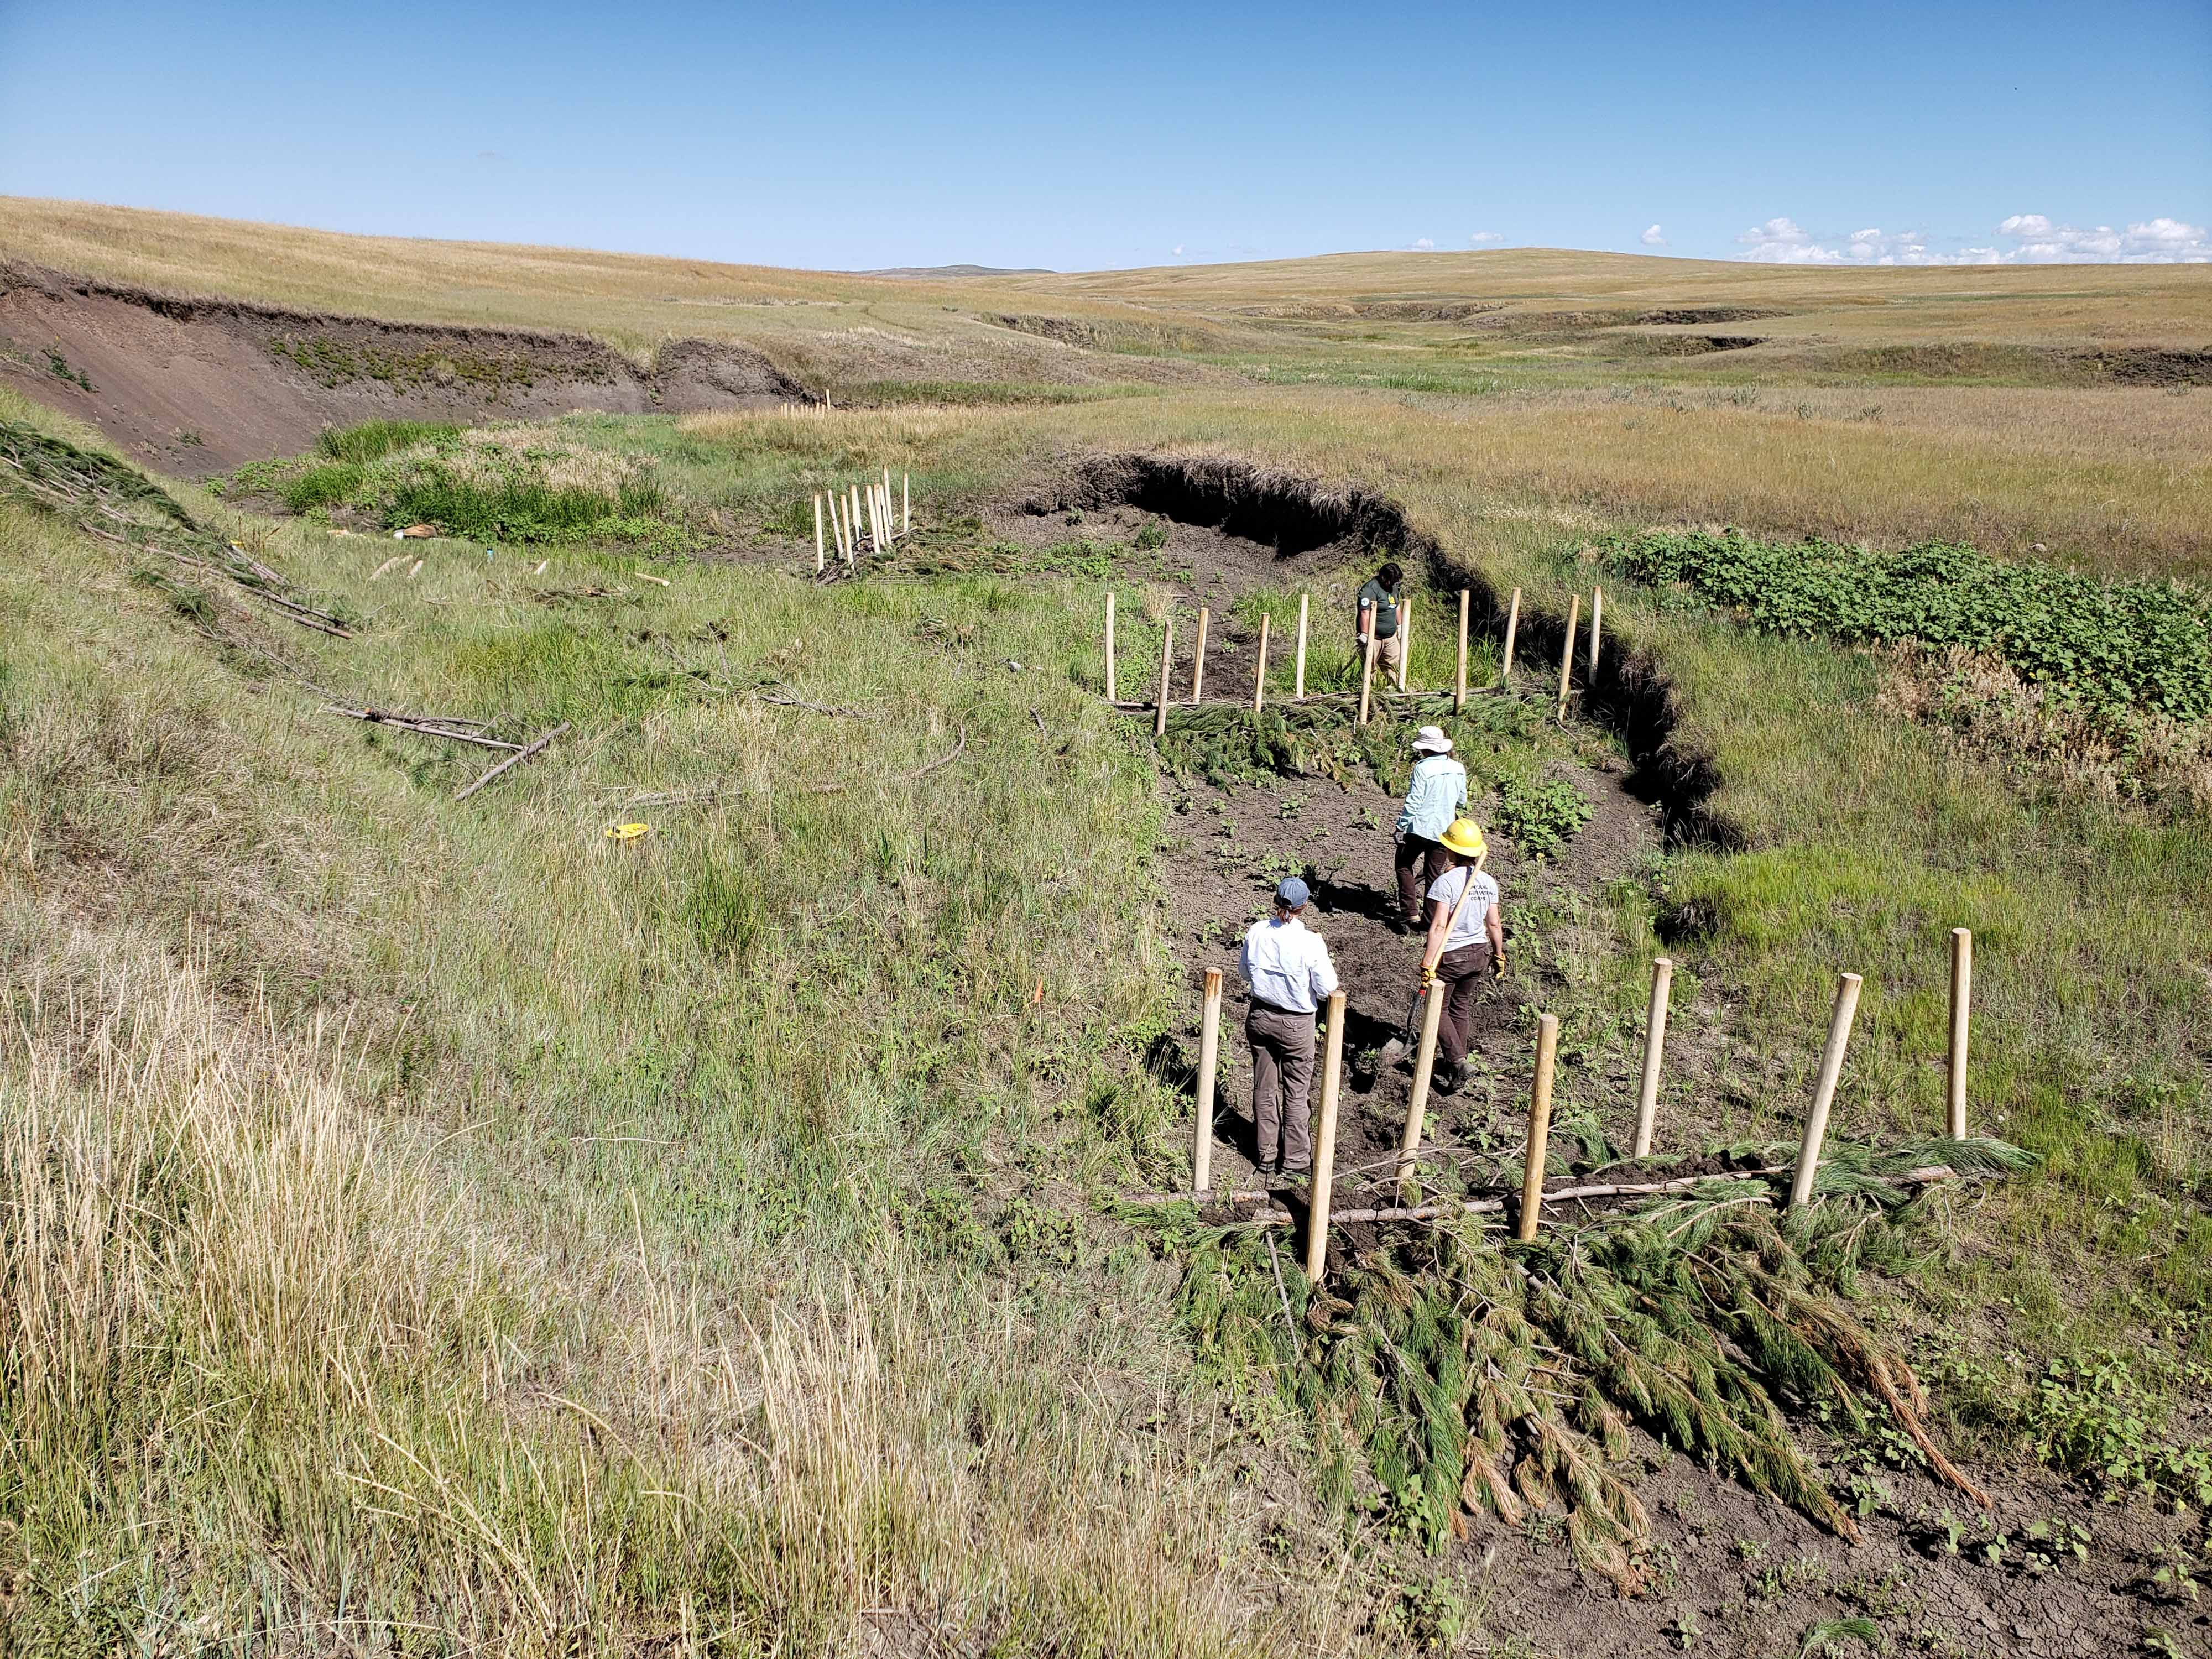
(1436, 796)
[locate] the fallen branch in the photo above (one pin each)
(1922, 1177)
(950, 755)
(515, 759)
(426, 724)
(1623, 1189)
(811, 708)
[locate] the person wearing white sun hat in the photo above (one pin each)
(1437, 795)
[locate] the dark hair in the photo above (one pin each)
(1389, 575)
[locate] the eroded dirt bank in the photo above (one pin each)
(196, 386)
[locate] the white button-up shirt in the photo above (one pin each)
(1437, 794)
(1287, 967)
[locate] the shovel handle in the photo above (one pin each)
(1458, 905)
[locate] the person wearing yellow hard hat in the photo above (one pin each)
(1467, 938)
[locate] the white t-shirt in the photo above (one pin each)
(1468, 928)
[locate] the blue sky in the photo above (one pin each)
(861, 136)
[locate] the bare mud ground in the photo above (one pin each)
(1736, 1573)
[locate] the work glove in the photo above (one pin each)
(1497, 966)
(1428, 977)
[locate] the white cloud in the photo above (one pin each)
(1484, 238)
(1178, 248)
(2035, 240)
(1423, 243)
(1653, 237)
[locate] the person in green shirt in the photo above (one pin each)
(1378, 615)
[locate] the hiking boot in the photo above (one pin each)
(1399, 925)
(1295, 1177)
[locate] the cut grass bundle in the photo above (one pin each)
(1474, 1378)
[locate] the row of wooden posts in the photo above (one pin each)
(1367, 670)
(853, 514)
(1539, 1094)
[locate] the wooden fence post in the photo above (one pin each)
(1567, 653)
(1324, 1166)
(1962, 987)
(1167, 663)
(1459, 679)
(1655, 1043)
(1109, 645)
(1198, 663)
(1405, 638)
(818, 560)
(1301, 692)
(1597, 621)
(1512, 627)
(1209, 1054)
(1539, 1128)
(906, 503)
(1260, 668)
(1425, 1067)
(1367, 678)
(1824, 1088)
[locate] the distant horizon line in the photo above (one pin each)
(976, 270)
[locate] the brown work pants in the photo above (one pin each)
(1388, 653)
(1420, 861)
(1459, 976)
(1282, 1078)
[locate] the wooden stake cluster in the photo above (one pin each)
(855, 518)
(1529, 1211)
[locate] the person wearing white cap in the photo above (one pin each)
(1290, 973)
(1435, 797)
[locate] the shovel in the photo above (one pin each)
(1397, 1048)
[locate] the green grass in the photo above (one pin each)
(2108, 645)
(372, 441)
(606, 1273)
